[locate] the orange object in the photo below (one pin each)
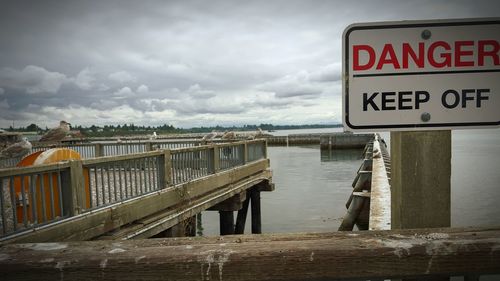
(50, 183)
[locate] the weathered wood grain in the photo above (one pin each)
(322, 256)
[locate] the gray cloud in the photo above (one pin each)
(185, 61)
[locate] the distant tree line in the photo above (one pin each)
(131, 129)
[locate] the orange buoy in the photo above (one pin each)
(50, 197)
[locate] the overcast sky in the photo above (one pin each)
(186, 63)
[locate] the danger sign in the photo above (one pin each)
(421, 75)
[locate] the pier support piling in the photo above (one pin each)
(226, 219)
(256, 215)
(241, 218)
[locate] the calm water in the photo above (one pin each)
(310, 194)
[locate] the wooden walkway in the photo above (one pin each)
(127, 196)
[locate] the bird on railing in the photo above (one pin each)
(17, 149)
(228, 135)
(153, 136)
(256, 135)
(57, 133)
(209, 137)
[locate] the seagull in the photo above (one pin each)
(153, 136)
(17, 149)
(228, 135)
(209, 137)
(258, 134)
(58, 133)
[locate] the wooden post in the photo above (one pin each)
(265, 149)
(420, 179)
(76, 190)
(216, 163)
(99, 150)
(226, 220)
(241, 218)
(256, 216)
(245, 153)
(148, 146)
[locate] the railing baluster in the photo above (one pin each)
(42, 196)
(103, 188)
(24, 202)
(115, 187)
(13, 202)
(33, 199)
(96, 186)
(137, 191)
(59, 189)
(51, 193)
(141, 171)
(2, 202)
(109, 183)
(120, 167)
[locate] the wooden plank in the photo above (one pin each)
(234, 203)
(98, 222)
(380, 203)
(322, 256)
(156, 223)
(33, 169)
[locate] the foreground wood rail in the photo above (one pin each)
(320, 256)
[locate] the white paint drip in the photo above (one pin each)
(311, 257)
(189, 247)
(44, 246)
(137, 259)
(220, 257)
(429, 265)
(103, 263)
(116, 251)
(60, 265)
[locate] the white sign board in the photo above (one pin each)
(421, 75)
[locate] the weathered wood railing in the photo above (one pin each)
(380, 187)
(36, 196)
(369, 205)
(322, 256)
(98, 149)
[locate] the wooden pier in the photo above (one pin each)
(130, 196)
(369, 205)
(325, 140)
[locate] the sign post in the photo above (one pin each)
(419, 80)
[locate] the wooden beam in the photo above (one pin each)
(320, 256)
(153, 224)
(234, 203)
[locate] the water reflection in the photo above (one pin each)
(328, 155)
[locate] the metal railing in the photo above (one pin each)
(33, 196)
(39, 195)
